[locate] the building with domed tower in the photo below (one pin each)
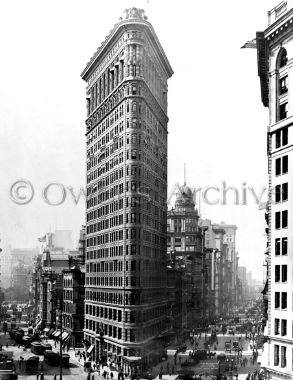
(185, 257)
(126, 140)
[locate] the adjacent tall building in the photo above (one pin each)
(275, 69)
(126, 131)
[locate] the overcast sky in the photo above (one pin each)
(217, 121)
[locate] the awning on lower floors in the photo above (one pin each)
(64, 336)
(90, 349)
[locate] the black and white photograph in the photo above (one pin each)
(145, 160)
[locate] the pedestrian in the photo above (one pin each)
(93, 377)
(111, 375)
(55, 377)
(37, 376)
(42, 376)
(7, 345)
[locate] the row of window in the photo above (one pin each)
(131, 154)
(281, 300)
(112, 281)
(283, 327)
(112, 266)
(281, 137)
(277, 356)
(281, 273)
(281, 165)
(116, 298)
(281, 192)
(281, 246)
(281, 219)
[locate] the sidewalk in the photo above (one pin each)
(80, 361)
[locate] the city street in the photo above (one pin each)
(75, 370)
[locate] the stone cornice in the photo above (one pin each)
(118, 27)
(280, 26)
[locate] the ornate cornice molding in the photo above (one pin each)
(136, 21)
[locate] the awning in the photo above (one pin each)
(57, 333)
(90, 349)
(51, 331)
(132, 358)
(38, 324)
(64, 335)
(54, 333)
(46, 329)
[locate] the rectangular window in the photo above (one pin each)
(276, 354)
(284, 246)
(284, 191)
(277, 300)
(285, 219)
(284, 164)
(283, 85)
(277, 273)
(277, 219)
(284, 273)
(278, 139)
(278, 193)
(284, 327)
(278, 166)
(284, 301)
(283, 357)
(281, 165)
(283, 111)
(277, 246)
(277, 326)
(284, 136)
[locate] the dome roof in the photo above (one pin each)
(184, 192)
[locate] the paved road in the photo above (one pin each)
(75, 371)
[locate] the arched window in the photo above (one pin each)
(282, 58)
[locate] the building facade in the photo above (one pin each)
(125, 289)
(73, 304)
(185, 252)
(275, 69)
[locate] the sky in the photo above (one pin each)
(217, 123)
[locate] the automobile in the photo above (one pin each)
(51, 358)
(26, 341)
(37, 348)
(46, 346)
(65, 359)
(32, 362)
